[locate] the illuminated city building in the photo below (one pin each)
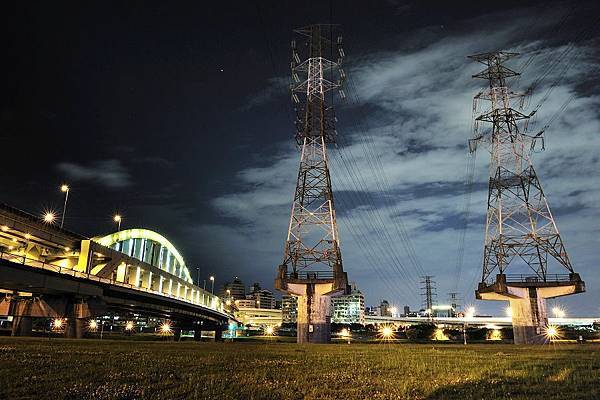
(349, 309)
(289, 309)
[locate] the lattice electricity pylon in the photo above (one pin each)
(520, 228)
(429, 293)
(312, 242)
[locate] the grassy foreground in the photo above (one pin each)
(87, 369)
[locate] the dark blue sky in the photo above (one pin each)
(177, 116)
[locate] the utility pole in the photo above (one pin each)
(428, 293)
(312, 263)
(454, 299)
(520, 230)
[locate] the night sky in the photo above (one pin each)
(177, 116)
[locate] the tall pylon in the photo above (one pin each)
(520, 232)
(428, 293)
(312, 264)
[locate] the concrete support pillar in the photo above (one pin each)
(75, 328)
(177, 334)
(218, 334)
(77, 320)
(529, 316)
(21, 326)
(314, 312)
(198, 335)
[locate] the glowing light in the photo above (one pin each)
(552, 332)
(345, 333)
(27, 236)
(394, 310)
(470, 312)
(508, 311)
(64, 188)
(386, 332)
(558, 312)
(495, 334)
(67, 249)
(165, 328)
(57, 323)
(440, 335)
(93, 325)
(228, 302)
(212, 278)
(4, 228)
(49, 217)
(117, 218)
(129, 326)
(269, 330)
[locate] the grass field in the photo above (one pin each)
(87, 369)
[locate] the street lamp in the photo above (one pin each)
(117, 218)
(469, 314)
(65, 190)
(49, 217)
(559, 312)
(212, 281)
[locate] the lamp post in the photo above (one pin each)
(198, 279)
(470, 313)
(65, 190)
(117, 218)
(212, 281)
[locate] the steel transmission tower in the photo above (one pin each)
(312, 265)
(520, 229)
(429, 293)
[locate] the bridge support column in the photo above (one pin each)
(76, 321)
(23, 309)
(218, 334)
(177, 334)
(198, 335)
(314, 311)
(21, 326)
(75, 328)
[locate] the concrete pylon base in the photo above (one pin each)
(527, 299)
(529, 317)
(314, 311)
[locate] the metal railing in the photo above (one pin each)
(310, 275)
(206, 301)
(526, 278)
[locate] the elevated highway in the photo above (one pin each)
(48, 272)
(475, 321)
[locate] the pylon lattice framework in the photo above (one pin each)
(429, 293)
(519, 226)
(313, 242)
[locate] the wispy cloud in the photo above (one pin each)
(275, 87)
(110, 173)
